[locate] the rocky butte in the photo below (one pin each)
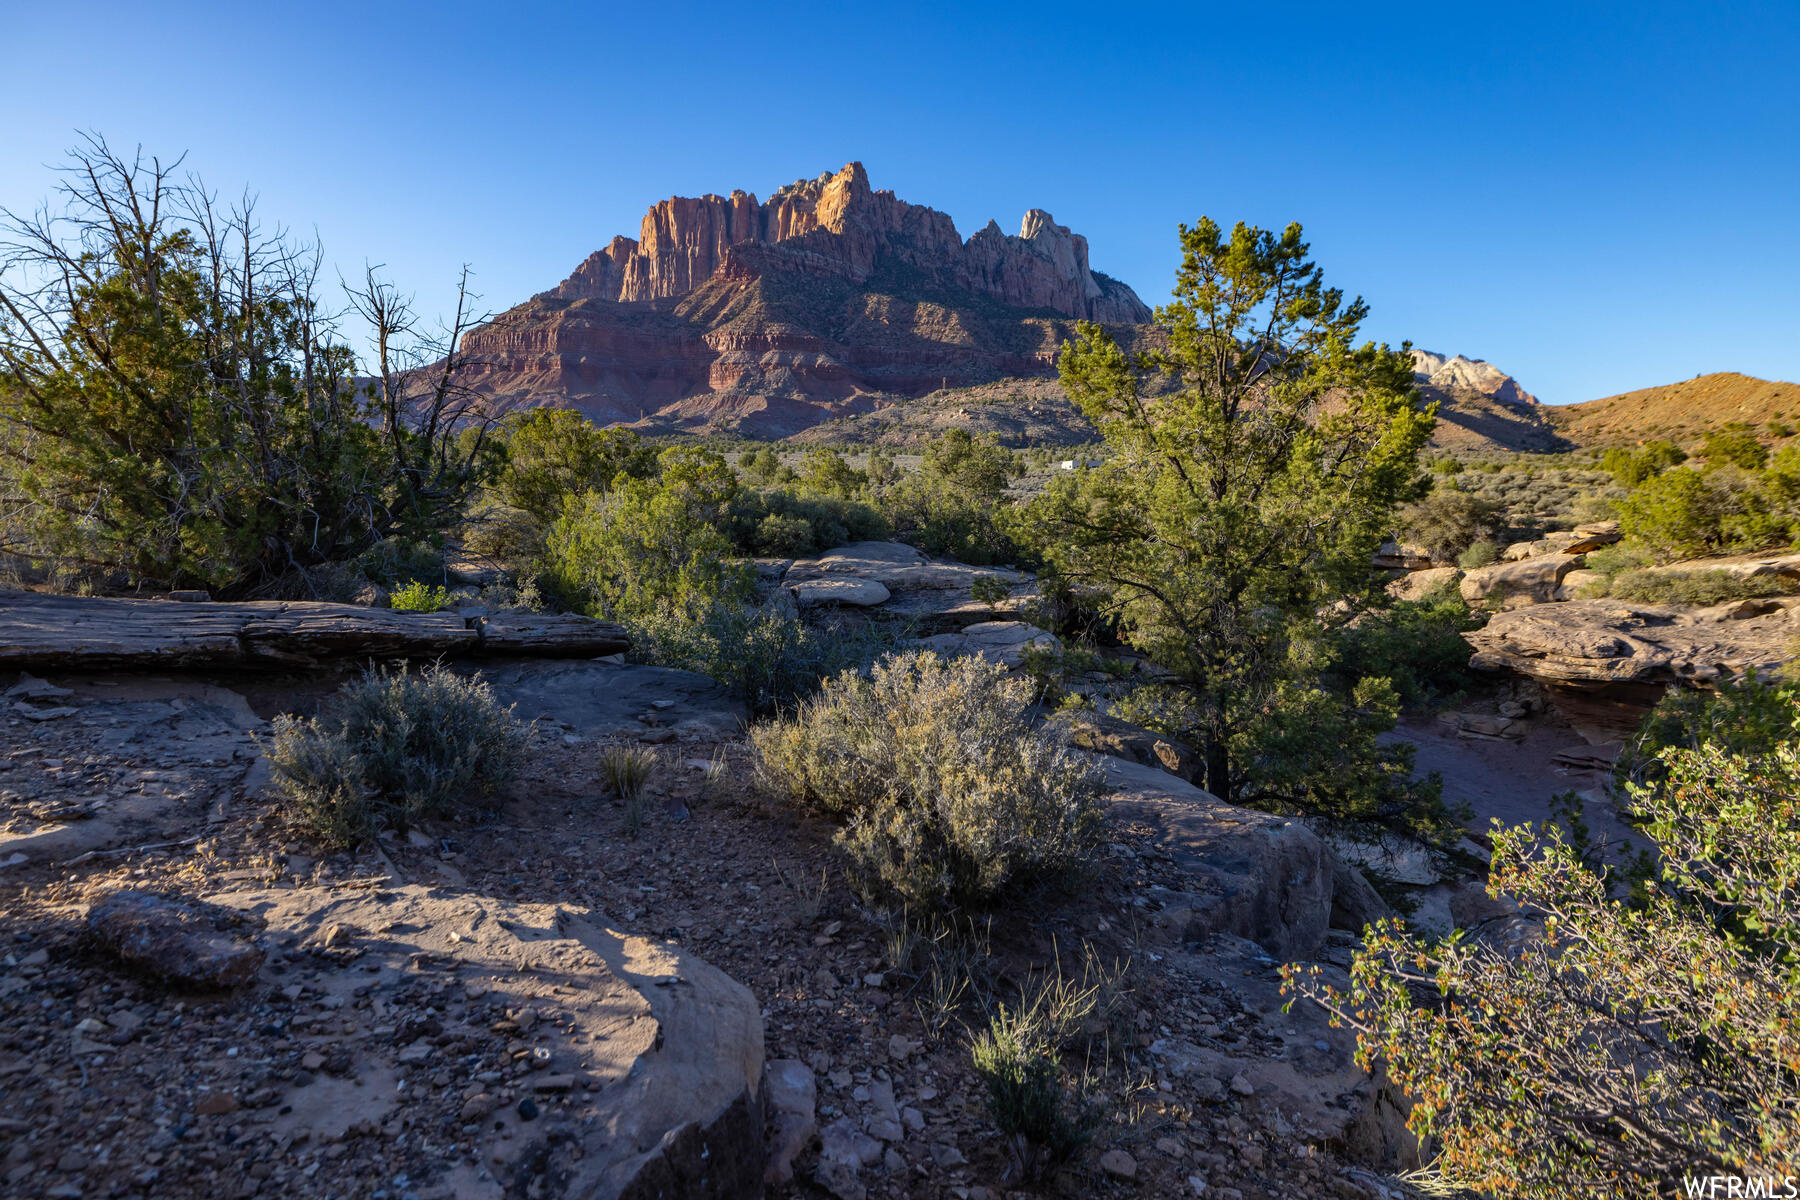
(764, 317)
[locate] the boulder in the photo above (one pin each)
(1576, 582)
(1416, 585)
(1256, 876)
(1516, 584)
(1592, 536)
(664, 1050)
(607, 699)
(896, 566)
(1355, 903)
(1590, 643)
(1398, 556)
(856, 593)
(190, 944)
(1003, 642)
(1106, 734)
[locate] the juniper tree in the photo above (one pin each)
(1254, 457)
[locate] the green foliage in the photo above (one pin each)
(1235, 505)
(781, 522)
(1448, 521)
(393, 747)
(766, 656)
(551, 454)
(952, 504)
(1688, 514)
(1734, 445)
(176, 410)
(419, 597)
(1418, 645)
(1706, 586)
(1632, 1044)
(1749, 715)
(952, 796)
(1025, 1094)
(1481, 554)
(652, 546)
(1630, 468)
(824, 472)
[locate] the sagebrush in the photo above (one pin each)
(392, 747)
(951, 794)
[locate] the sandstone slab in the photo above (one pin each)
(667, 1049)
(1531, 580)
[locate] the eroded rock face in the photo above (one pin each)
(1257, 876)
(1533, 580)
(773, 315)
(1456, 373)
(1607, 642)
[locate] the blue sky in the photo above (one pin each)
(1595, 197)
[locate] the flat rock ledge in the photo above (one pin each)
(79, 632)
(1594, 644)
(667, 1049)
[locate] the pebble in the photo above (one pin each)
(1119, 1164)
(1241, 1085)
(528, 1109)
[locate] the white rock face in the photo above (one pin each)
(1069, 251)
(1469, 374)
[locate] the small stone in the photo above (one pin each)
(478, 1107)
(1198, 1183)
(312, 1060)
(887, 1130)
(560, 1082)
(913, 1119)
(215, 1104)
(1168, 1145)
(899, 1046)
(1119, 1164)
(1241, 1085)
(839, 1178)
(72, 1161)
(946, 1156)
(528, 1109)
(894, 1161)
(418, 1052)
(845, 1143)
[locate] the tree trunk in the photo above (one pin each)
(1218, 769)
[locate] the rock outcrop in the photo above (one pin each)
(769, 316)
(664, 1050)
(1595, 643)
(1459, 374)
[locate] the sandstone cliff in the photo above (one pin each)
(767, 316)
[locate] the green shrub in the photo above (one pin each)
(1734, 444)
(652, 545)
(393, 747)
(1708, 586)
(1419, 645)
(1025, 1095)
(419, 597)
(1749, 715)
(1620, 1047)
(951, 794)
(1448, 521)
(764, 655)
(1630, 468)
(1481, 554)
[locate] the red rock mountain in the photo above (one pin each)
(827, 299)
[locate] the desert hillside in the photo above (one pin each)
(1677, 410)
